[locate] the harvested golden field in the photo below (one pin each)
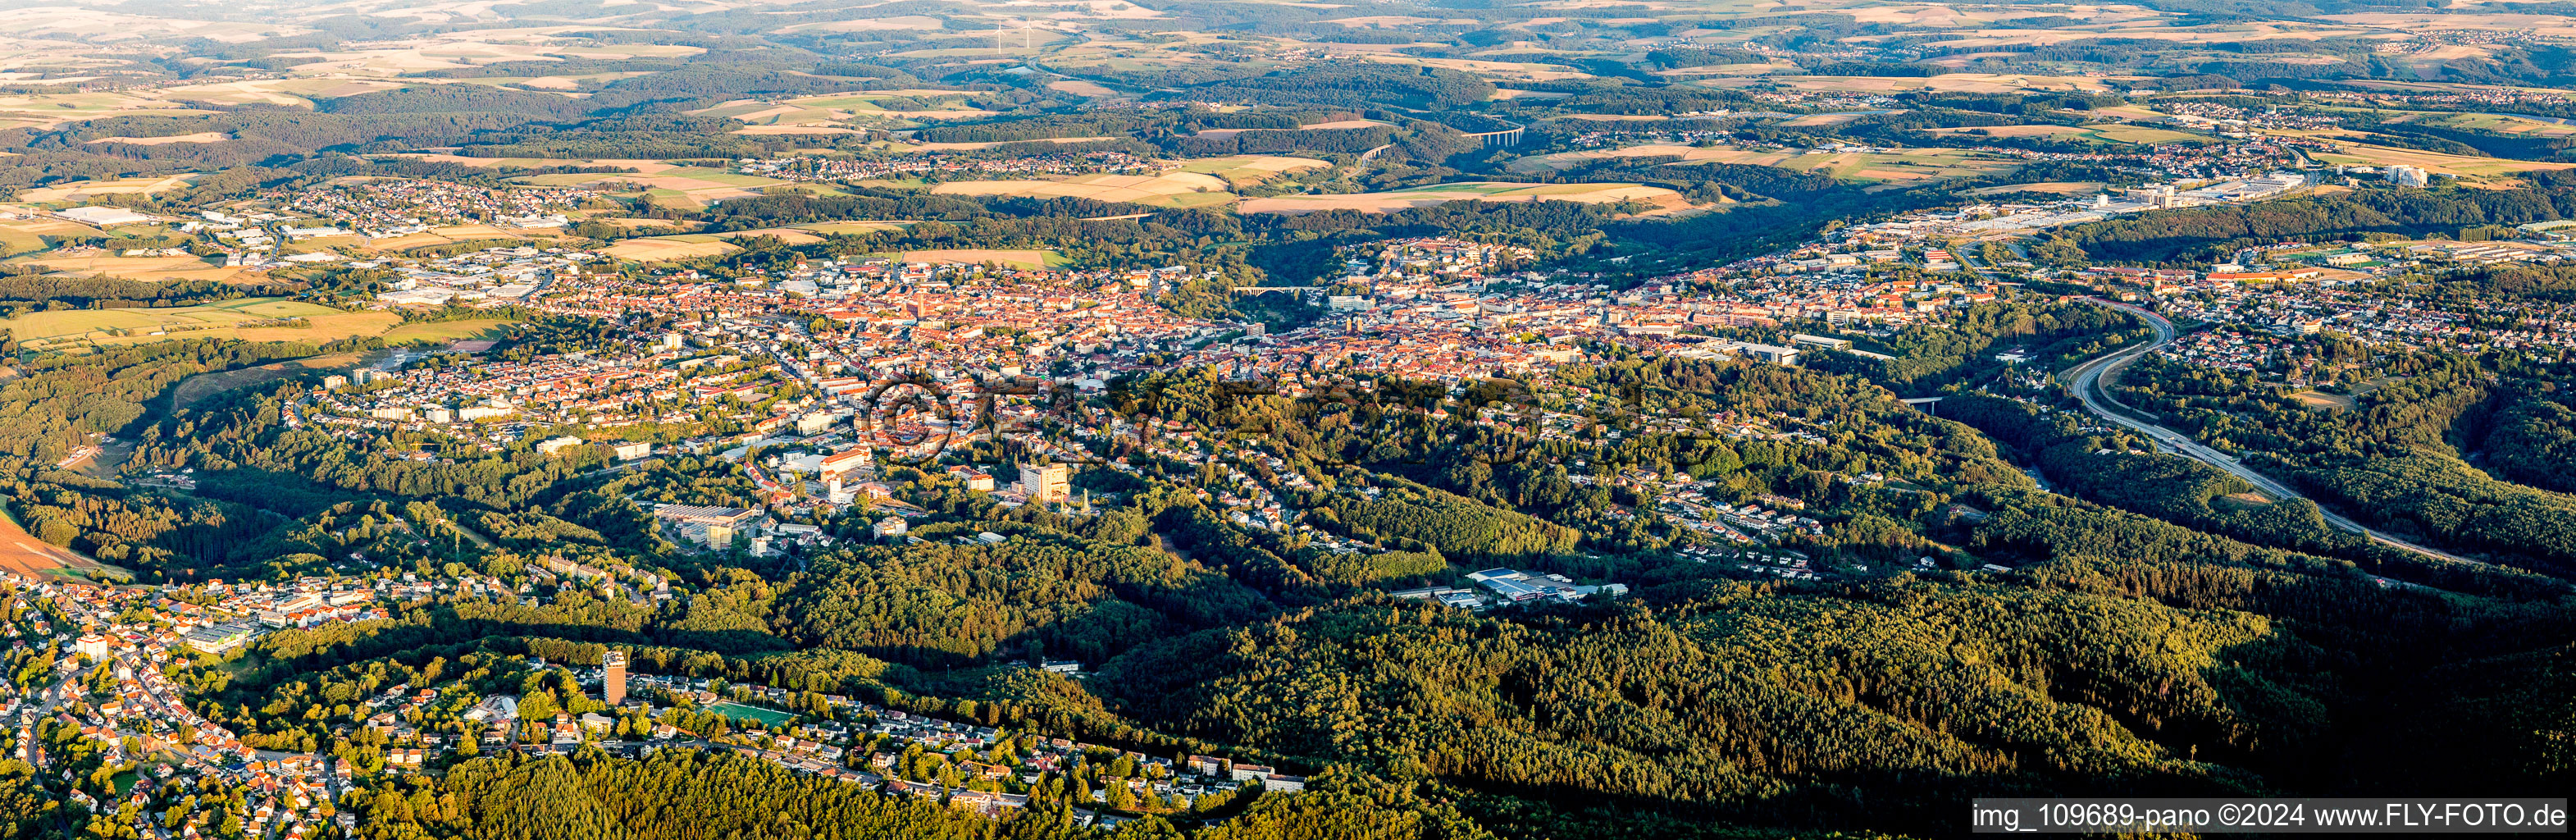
(952, 147)
(1950, 82)
(774, 130)
(1695, 154)
(659, 249)
(2434, 162)
(99, 263)
(19, 236)
(1079, 87)
(1142, 189)
(2048, 187)
(86, 190)
(2011, 130)
(22, 553)
(1382, 202)
(199, 137)
(641, 166)
(238, 319)
(1819, 120)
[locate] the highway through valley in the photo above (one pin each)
(2086, 381)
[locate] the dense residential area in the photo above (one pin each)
(590, 420)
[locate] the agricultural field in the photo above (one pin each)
(46, 110)
(292, 93)
(94, 262)
(164, 140)
(1322, 126)
(452, 234)
(668, 248)
(2048, 187)
(2439, 163)
(1947, 83)
(2114, 133)
(679, 185)
(2503, 124)
(247, 319)
(839, 114)
(1666, 200)
(23, 553)
(21, 236)
(1561, 161)
(689, 246)
(1171, 189)
(1892, 168)
(1248, 170)
(79, 191)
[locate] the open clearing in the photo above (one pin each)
(1163, 189)
(2314, 398)
(197, 388)
(1382, 202)
(247, 319)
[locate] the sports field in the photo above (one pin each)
(768, 717)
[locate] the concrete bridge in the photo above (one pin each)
(1506, 137)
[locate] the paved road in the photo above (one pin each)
(2086, 383)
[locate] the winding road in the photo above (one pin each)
(2085, 380)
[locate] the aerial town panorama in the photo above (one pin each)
(1232, 420)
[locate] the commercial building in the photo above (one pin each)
(1047, 482)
